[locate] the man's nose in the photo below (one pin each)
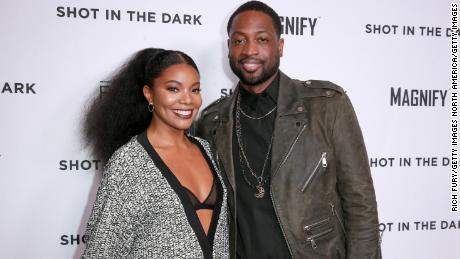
(251, 48)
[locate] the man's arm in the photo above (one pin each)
(355, 185)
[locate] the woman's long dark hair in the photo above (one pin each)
(121, 112)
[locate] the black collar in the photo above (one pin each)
(269, 95)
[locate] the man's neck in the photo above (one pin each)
(257, 89)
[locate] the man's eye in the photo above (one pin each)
(263, 40)
(239, 42)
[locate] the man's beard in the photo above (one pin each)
(267, 72)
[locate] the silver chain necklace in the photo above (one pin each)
(260, 179)
(256, 118)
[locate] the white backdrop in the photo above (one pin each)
(53, 55)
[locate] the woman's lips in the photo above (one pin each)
(184, 114)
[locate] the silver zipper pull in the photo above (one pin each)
(323, 159)
(332, 209)
(313, 243)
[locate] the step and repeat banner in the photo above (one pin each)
(396, 60)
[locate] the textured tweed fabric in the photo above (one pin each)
(138, 215)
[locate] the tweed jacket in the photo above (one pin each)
(137, 214)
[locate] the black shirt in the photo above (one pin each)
(259, 233)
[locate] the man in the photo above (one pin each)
(293, 153)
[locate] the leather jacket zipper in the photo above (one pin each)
(323, 161)
(334, 213)
(290, 149)
(309, 227)
(271, 194)
(311, 239)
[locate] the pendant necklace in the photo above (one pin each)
(260, 190)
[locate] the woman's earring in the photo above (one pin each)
(150, 107)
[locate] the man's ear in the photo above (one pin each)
(228, 48)
(280, 46)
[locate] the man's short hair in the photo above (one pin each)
(260, 7)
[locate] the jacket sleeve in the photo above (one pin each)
(355, 185)
(200, 128)
(110, 229)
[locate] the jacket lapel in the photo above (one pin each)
(288, 127)
(224, 131)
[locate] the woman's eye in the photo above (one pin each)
(172, 89)
(196, 90)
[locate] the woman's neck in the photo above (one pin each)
(162, 136)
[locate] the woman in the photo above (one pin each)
(161, 195)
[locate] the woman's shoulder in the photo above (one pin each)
(127, 160)
(126, 151)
